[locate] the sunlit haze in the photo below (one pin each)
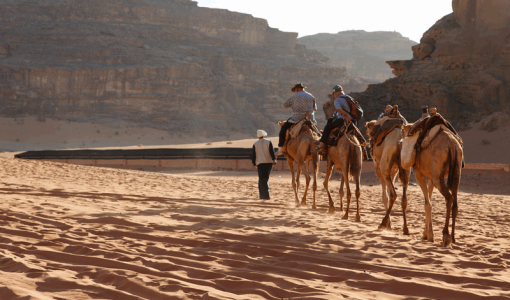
(410, 18)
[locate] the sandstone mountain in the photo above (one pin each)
(363, 54)
(461, 66)
(165, 64)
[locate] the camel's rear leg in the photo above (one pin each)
(315, 169)
(302, 166)
(329, 170)
(443, 189)
(428, 232)
(404, 175)
(341, 191)
(388, 176)
(290, 163)
(357, 178)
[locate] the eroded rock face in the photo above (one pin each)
(166, 64)
(485, 16)
(362, 53)
(459, 68)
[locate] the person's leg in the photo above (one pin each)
(264, 170)
(267, 173)
(283, 133)
(332, 124)
(282, 136)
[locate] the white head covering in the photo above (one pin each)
(261, 133)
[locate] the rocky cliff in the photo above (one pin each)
(363, 54)
(461, 66)
(165, 64)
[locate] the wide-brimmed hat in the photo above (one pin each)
(299, 85)
(261, 133)
(338, 88)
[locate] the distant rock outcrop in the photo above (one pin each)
(363, 54)
(166, 64)
(461, 66)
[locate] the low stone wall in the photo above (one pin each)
(223, 164)
(185, 164)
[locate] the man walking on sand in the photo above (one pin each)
(263, 159)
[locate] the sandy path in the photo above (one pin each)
(75, 232)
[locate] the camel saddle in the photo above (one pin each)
(297, 128)
(337, 133)
(424, 125)
(380, 131)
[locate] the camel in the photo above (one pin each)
(387, 164)
(299, 151)
(347, 157)
(442, 158)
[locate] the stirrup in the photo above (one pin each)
(279, 152)
(319, 150)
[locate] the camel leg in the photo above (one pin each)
(404, 179)
(315, 170)
(329, 170)
(384, 194)
(345, 178)
(290, 163)
(443, 189)
(388, 178)
(455, 210)
(302, 166)
(428, 233)
(357, 178)
(341, 192)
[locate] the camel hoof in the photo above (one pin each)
(381, 227)
(314, 207)
(406, 231)
(358, 219)
(331, 210)
(447, 241)
(345, 217)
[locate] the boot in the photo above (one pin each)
(281, 151)
(321, 149)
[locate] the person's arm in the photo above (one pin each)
(338, 107)
(253, 156)
(271, 151)
(288, 102)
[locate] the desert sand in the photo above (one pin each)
(77, 232)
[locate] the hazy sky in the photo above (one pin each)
(409, 17)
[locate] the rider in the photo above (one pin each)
(343, 114)
(302, 103)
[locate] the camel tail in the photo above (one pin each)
(452, 169)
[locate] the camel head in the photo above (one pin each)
(406, 128)
(393, 112)
(369, 126)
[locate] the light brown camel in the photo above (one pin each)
(347, 157)
(441, 159)
(299, 151)
(387, 164)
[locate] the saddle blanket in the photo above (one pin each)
(380, 131)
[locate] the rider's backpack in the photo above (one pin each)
(356, 111)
